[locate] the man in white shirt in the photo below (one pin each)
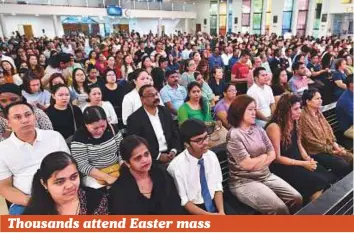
(22, 154)
(263, 95)
(154, 123)
(197, 173)
(186, 52)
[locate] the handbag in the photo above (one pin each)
(217, 134)
(112, 170)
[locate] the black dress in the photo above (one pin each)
(125, 196)
(304, 181)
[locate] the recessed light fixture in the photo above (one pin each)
(13, 13)
(37, 15)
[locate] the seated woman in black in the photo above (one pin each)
(56, 190)
(66, 118)
(142, 187)
(292, 162)
(113, 93)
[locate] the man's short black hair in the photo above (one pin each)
(191, 128)
(8, 107)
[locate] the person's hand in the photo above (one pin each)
(310, 165)
(110, 179)
(165, 157)
(2, 81)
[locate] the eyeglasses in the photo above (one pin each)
(201, 140)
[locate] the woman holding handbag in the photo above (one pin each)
(66, 118)
(95, 147)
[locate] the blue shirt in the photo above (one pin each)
(337, 75)
(215, 61)
(174, 95)
(344, 110)
(232, 61)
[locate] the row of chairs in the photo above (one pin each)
(239, 208)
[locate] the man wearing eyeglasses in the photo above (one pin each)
(197, 173)
(154, 123)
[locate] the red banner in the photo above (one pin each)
(177, 223)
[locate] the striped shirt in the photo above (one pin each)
(98, 153)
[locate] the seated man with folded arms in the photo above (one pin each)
(197, 173)
(22, 154)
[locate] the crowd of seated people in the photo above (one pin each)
(127, 124)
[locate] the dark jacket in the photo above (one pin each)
(139, 124)
(125, 196)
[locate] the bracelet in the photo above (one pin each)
(293, 162)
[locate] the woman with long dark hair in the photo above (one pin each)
(9, 73)
(279, 83)
(95, 99)
(34, 66)
(318, 138)
(142, 188)
(66, 118)
(128, 66)
(188, 75)
(292, 163)
(56, 190)
(249, 154)
(95, 147)
(33, 91)
(195, 105)
(79, 87)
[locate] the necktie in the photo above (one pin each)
(208, 202)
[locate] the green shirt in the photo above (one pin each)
(185, 112)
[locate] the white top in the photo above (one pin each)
(225, 58)
(131, 103)
(185, 54)
(264, 98)
(160, 135)
(42, 97)
(187, 180)
(108, 109)
(21, 160)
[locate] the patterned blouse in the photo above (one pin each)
(42, 122)
(316, 133)
(100, 208)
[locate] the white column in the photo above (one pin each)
(294, 18)
(159, 26)
(251, 19)
(3, 25)
(277, 10)
(310, 17)
(186, 25)
(227, 16)
(264, 16)
(56, 26)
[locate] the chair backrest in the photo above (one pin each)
(329, 111)
(221, 153)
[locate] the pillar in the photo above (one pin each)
(3, 26)
(294, 18)
(56, 26)
(264, 16)
(186, 25)
(310, 21)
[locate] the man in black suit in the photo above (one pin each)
(154, 123)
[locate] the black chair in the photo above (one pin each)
(237, 207)
(338, 200)
(329, 111)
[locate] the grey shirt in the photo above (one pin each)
(242, 144)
